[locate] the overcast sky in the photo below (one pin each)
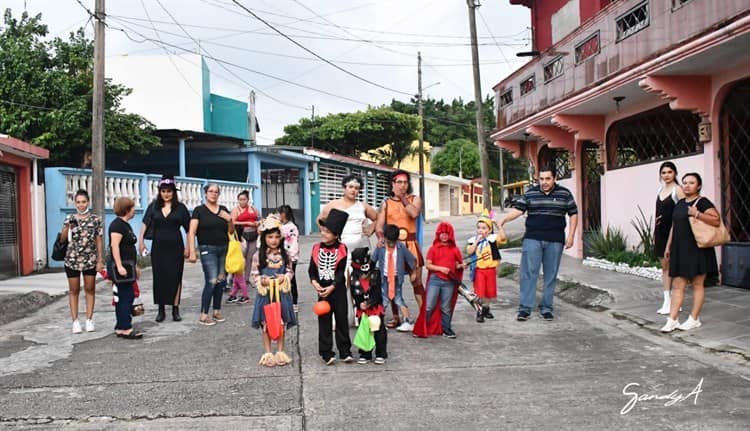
(376, 40)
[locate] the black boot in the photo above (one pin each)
(161, 314)
(486, 312)
(480, 317)
(176, 313)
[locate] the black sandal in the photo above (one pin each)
(131, 335)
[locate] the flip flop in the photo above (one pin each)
(131, 336)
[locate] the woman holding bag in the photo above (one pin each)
(122, 265)
(687, 262)
(211, 222)
(245, 220)
(164, 217)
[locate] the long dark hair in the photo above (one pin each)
(288, 212)
(263, 249)
(669, 165)
(159, 202)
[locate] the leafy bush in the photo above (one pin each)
(645, 232)
(603, 244)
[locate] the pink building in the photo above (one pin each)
(616, 87)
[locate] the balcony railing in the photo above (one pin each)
(622, 35)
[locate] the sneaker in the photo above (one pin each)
(243, 300)
(664, 309)
(295, 307)
(379, 361)
(231, 300)
(207, 322)
(689, 324)
(449, 334)
(348, 359)
(523, 316)
(671, 325)
(480, 317)
(218, 316)
(77, 327)
(330, 361)
(363, 361)
(90, 325)
(547, 316)
(405, 327)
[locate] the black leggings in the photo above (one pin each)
(294, 283)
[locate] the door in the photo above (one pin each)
(8, 223)
(591, 202)
(735, 163)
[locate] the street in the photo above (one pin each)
(581, 371)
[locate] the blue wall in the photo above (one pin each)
(228, 117)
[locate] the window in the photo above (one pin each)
(660, 133)
(676, 4)
(528, 85)
(466, 198)
(633, 21)
(506, 98)
(588, 48)
(553, 69)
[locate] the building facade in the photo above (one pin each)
(615, 88)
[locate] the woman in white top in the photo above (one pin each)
(360, 224)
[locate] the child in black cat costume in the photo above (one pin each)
(364, 283)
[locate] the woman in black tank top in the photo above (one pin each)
(669, 193)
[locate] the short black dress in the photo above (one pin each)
(686, 259)
(664, 208)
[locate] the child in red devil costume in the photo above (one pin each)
(445, 266)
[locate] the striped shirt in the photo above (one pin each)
(546, 212)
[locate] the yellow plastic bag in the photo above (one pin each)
(235, 261)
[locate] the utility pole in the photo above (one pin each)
(420, 108)
(502, 180)
(97, 121)
(483, 165)
(253, 124)
(312, 129)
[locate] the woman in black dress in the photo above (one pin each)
(687, 262)
(163, 219)
(666, 199)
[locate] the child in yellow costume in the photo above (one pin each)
(483, 247)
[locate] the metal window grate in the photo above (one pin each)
(632, 21)
(528, 85)
(506, 98)
(735, 162)
(553, 69)
(558, 158)
(588, 48)
(659, 133)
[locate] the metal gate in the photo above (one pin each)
(8, 223)
(282, 187)
(591, 192)
(734, 154)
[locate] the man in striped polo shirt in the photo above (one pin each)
(546, 206)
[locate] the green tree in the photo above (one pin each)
(46, 91)
(457, 155)
(355, 133)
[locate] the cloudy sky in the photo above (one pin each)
(376, 40)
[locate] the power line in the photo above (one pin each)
(316, 54)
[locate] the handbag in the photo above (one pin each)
(272, 312)
(59, 249)
(130, 273)
(707, 236)
(364, 339)
(235, 261)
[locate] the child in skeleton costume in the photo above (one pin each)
(271, 267)
(395, 262)
(484, 248)
(364, 283)
(445, 267)
(327, 275)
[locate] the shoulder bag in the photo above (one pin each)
(707, 236)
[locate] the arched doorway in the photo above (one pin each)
(734, 155)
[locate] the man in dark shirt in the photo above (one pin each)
(546, 206)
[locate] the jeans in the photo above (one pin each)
(124, 306)
(444, 289)
(214, 275)
(536, 254)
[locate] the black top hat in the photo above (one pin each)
(167, 182)
(335, 221)
(391, 231)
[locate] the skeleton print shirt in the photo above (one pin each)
(328, 264)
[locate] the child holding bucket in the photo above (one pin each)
(271, 269)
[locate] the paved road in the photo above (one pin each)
(567, 374)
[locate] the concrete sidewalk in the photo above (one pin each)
(725, 318)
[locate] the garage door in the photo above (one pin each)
(8, 223)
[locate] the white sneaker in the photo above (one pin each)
(664, 309)
(90, 326)
(671, 325)
(405, 327)
(689, 324)
(77, 327)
